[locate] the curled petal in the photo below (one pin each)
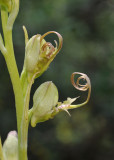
(82, 87)
(56, 43)
(60, 41)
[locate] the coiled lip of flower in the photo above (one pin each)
(52, 50)
(82, 87)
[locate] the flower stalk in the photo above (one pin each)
(14, 75)
(38, 55)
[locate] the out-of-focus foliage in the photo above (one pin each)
(87, 27)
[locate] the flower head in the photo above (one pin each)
(45, 99)
(39, 53)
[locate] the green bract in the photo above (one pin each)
(44, 100)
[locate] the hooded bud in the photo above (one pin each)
(32, 53)
(6, 4)
(39, 53)
(44, 100)
(12, 7)
(10, 146)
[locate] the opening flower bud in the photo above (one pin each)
(44, 100)
(39, 53)
(10, 146)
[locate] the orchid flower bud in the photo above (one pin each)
(39, 53)
(44, 100)
(10, 146)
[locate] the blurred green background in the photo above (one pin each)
(87, 27)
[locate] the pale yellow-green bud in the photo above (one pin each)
(44, 101)
(10, 146)
(32, 53)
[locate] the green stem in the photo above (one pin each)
(26, 85)
(1, 152)
(14, 75)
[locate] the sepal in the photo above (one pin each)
(44, 100)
